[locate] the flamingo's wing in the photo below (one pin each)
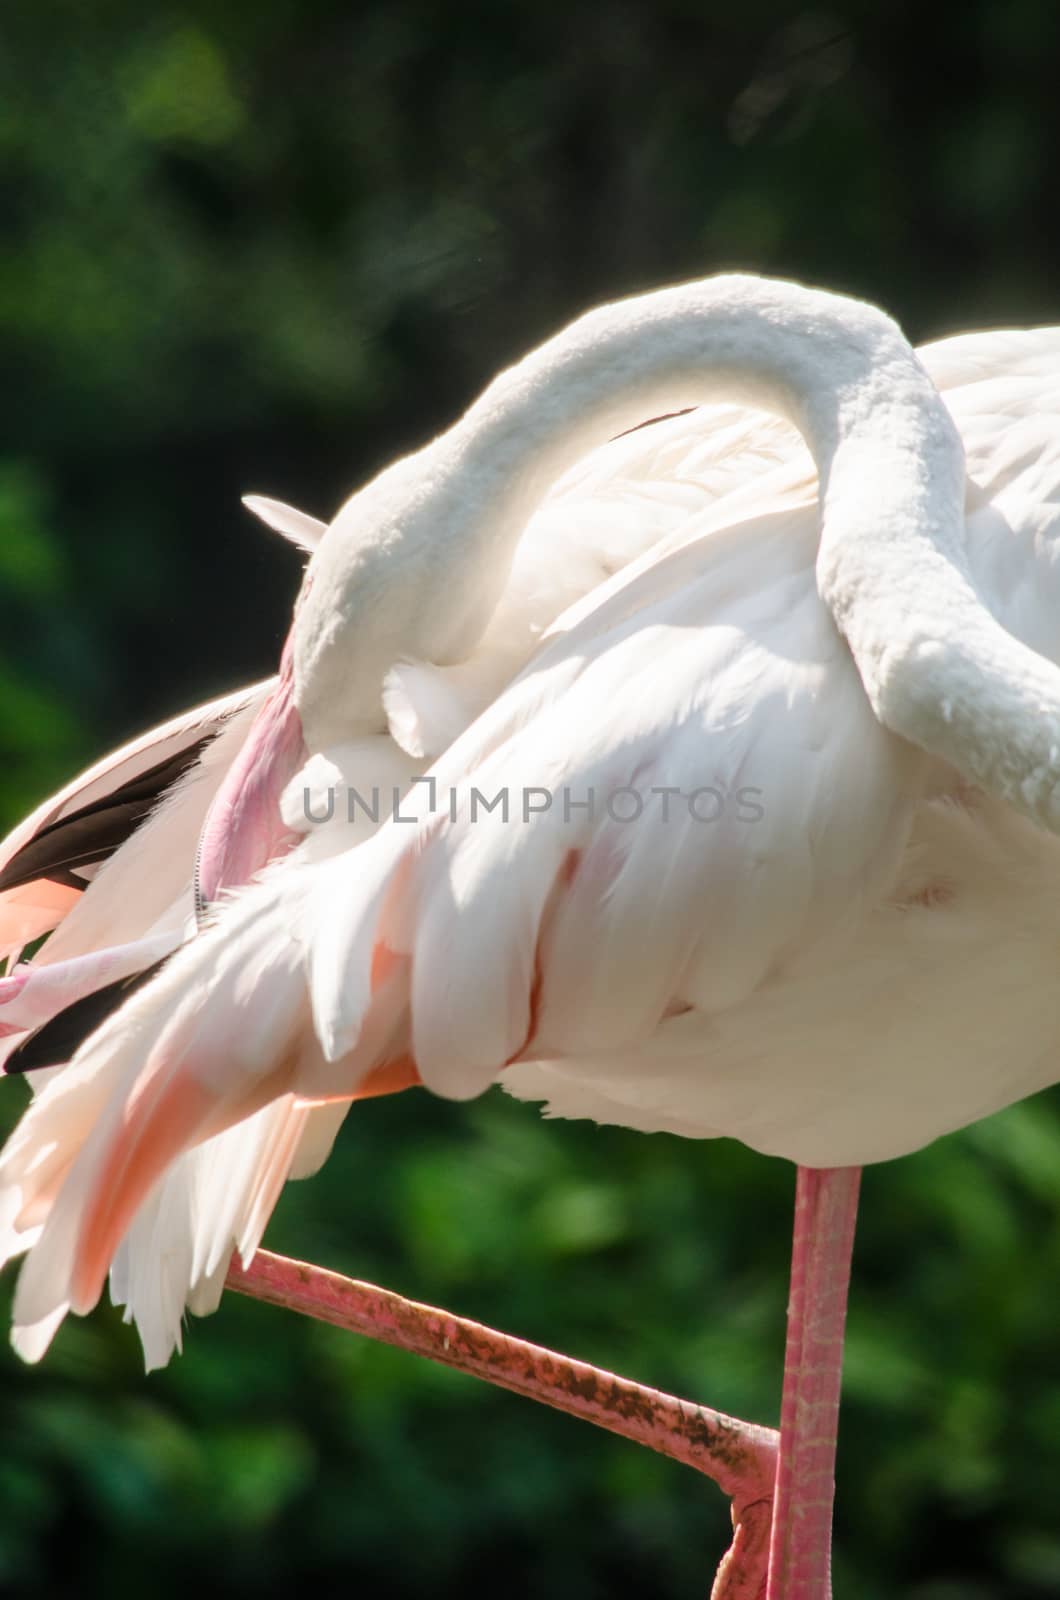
(48, 860)
(609, 896)
(1004, 392)
(1011, 355)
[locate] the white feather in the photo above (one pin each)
(302, 530)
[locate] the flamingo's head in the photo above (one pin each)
(397, 576)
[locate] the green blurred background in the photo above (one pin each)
(269, 247)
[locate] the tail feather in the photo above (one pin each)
(97, 1177)
(40, 1152)
(167, 1113)
(31, 1340)
(133, 1154)
(233, 1171)
(270, 1173)
(214, 1199)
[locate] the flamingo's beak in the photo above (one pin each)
(244, 829)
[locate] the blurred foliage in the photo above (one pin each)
(270, 247)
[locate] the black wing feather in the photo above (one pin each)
(96, 830)
(56, 1041)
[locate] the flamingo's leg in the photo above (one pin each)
(800, 1551)
(743, 1570)
(739, 1456)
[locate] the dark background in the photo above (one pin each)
(270, 247)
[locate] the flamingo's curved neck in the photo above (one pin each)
(419, 558)
(839, 369)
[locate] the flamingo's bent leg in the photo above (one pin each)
(739, 1456)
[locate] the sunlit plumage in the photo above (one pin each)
(848, 954)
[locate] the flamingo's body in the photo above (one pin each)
(842, 949)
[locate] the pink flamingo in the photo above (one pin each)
(750, 832)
